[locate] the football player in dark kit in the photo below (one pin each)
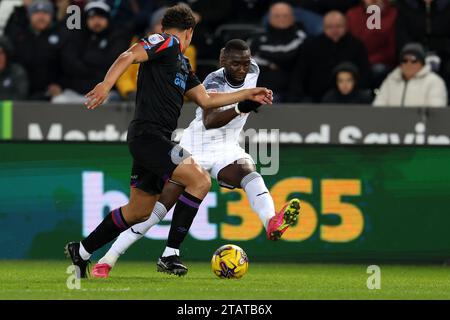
(165, 76)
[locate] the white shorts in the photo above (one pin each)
(214, 159)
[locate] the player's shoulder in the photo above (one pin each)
(157, 40)
(215, 80)
(254, 68)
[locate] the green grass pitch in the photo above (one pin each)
(133, 280)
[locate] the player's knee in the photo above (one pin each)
(203, 182)
(135, 213)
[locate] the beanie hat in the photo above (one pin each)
(41, 6)
(415, 49)
(97, 8)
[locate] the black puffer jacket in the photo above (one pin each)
(276, 53)
(39, 54)
(87, 56)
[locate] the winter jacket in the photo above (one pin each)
(380, 43)
(278, 48)
(319, 55)
(87, 56)
(426, 89)
(39, 54)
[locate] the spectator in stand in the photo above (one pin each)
(427, 22)
(346, 89)
(126, 85)
(37, 48)
(13, 77)
(131, 14)
(18, 20)
(380, 43)
(89, 53)
(313, 74)
(277, 50)
(412, 84)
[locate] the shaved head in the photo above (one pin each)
(281, 15)
(334, 25)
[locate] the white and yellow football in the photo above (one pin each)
(229, 262)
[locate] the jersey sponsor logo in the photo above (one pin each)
(155, 38)
(180, 80)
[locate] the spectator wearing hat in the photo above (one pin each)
(37, 49)
(346, 89)
(277, 50)
(412, 84)
(88, 53)
(13, 77)
(380, 43)
(319, 55)
(427, 22)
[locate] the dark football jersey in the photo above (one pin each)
(162, 82)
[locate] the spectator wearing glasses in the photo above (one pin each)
(412, 84)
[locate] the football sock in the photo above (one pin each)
(183, 215)
(83, 253)
(107, 230)
(170, 252)
(133, 234)
(259, 196)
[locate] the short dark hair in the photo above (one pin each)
(236, 44)
(179, 17)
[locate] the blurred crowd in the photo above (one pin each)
(309, 51)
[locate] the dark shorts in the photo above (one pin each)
(155, 157)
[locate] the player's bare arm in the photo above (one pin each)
(135, 54)
(216, 119)
(205, 100)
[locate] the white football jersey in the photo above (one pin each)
(196, 136)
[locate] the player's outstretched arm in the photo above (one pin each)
(213, 118)
(205, 100)
(136, 54)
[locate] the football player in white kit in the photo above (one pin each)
(212, 139)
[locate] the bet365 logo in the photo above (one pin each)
(338, 199)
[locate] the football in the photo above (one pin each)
(229, 262)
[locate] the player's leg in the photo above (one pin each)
(198, 183)
(167, 200)
(242, 173)
(136, 210)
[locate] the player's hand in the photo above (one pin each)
(97, 95)
(261, 95)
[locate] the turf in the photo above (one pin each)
(132, 280)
